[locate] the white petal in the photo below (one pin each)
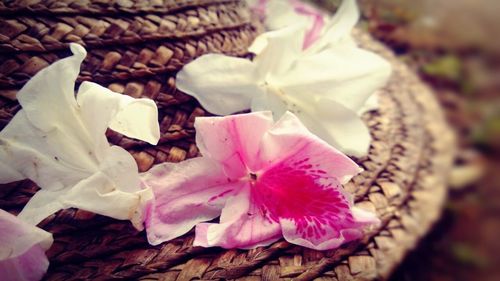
(371, 104)
(282, 48)
(347, 75)
(339, 28)
(43, 204)
(337, 125)
(271, 101)
(7, 172)
(39, 97)
(121, 169)
(112, 191)
(49, 159)
(223, 85)
(280, 14)
(102, 108)
(65, 151)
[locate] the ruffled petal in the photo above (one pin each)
(331, 223)
(242, 225)
(348, 76)
(185, 194)
(65, 151)
(233, 140)
(22, 249)
(112, 191)
(223, 85)
(289, 141)
(102, 108)
(52, 87)
(303, 192)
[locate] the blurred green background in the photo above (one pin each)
(455, 47)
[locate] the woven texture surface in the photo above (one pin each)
(404, 177)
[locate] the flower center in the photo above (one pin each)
(285, 192)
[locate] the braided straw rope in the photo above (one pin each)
(404, 181)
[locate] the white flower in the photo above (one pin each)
(325, 85)
(59, 142)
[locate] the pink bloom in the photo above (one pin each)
(265, 181)
(22, 249)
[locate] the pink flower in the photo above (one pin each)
(265, 180)
(22, 249)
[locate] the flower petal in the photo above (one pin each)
(277, 50)
(289, 140)
(65, 151)
(22, 249)
(30, 266)
(339, 27)
(281, 13)
(102, 108)
(371, 104)
(39, 97)
(112, 191)
(337, 224)
(337, 125)
(48, 159)
(242, 225)
(348, 76)
(185, 193)
(233, 140)
(307, 200)
(223, 85)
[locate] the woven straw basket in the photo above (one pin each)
(135, 47)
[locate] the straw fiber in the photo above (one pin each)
(404, 177)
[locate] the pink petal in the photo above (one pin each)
(31, 265)
(22, 249)
(186, 193)
(301, 188)
(310, 205)
(233, 140)
(242, 225)
(289, 141)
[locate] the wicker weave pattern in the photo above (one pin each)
(403, 179)
(120, 63)
(43, 33)
(101, 7)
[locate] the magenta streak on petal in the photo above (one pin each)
(305, 194)
(314, 32)
(215, 197)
